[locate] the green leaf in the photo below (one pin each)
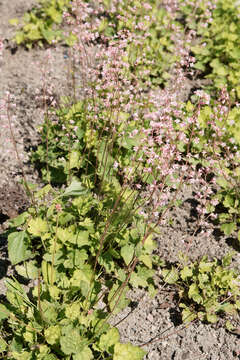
(14, 21)
(44, 191)
(228, 308)
(142, 276)
(223, 182)
(74, 159)
(170, 276)
(228, 201)
(127, 253)
(54, 14)
(121, 275)
(49, 357)
(20, 219)
(71, 342)
(228, 228)
(149, 244)
(199, 66)
(72, 311)
(65, 235)
(189, 106)
(75, 189)
(105, 160)
(227, 259)
(218, 67)
(76, 258)
(47, 272)
(237, 304)
(212, 318)
(52, 334)
(16, 294)
(4, 312)
(152, 291)
(229, 326)
(109, 339)
(147, 260)
(34, 34)
(137, 280)
(16, 345)
(18, 247)
(28, 270)
(106, 260)
(186, 272)
(3, 345)
(84, 354)
(48, 35)
(24, 355)
(205, 266)
(88, 224)
(116, 304)
(70, 41)
(188, 315)
(85, 274)
(103, 25)
(54, 292)
(37, 226)
(193, 293)
(19, 38)
(128, 352)
(83, 238)
(50, 312)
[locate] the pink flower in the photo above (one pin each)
(58, 207)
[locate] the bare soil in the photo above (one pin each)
(146, 319)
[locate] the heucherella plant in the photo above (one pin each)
(41, 24)
(215, 147)
(207, 289)
(45, 327)
(93, 240)
(216, 48)
(152, 53)
(115, 157)
(79, 260)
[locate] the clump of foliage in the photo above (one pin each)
(153, 55)
(81, 249)
(216, 146)
(207, 289)
(41, 24)
(55, 323)
(82, 144)
(217, 42)
(228, 196)
(86, 231)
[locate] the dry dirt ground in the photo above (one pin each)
(148, 319)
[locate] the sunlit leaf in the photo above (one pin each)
(128, 352)
(18, 247)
